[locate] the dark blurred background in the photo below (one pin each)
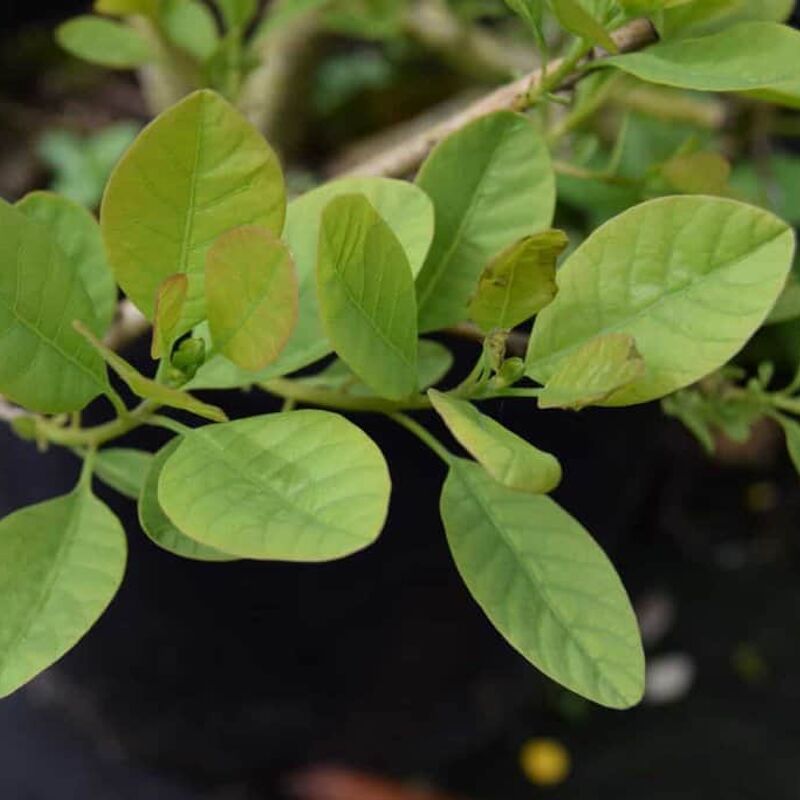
(227, 682)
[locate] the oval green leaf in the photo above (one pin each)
(190, 25)
(750, 55)
(104, 42)
(691, 279)
(44, 364)
(366, 296)
(198, 171)
(158, 526)
(78, 235)
(251, 297)
(491, 184)
(508, 458)
(545, 585)
(303, 486)
(123, 469)
(61, 563)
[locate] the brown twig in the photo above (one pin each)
(406, 156)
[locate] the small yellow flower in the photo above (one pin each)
(545, 762)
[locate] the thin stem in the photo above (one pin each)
(327, 398)
(550, 81)
(88, 467)
(289, 404)
(790, 404)
(116, 401)
(161, 421)
(95, 437)
(424, 436)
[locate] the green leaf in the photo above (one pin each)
(750, 55)
(123, 469)
(147, 388)
(101, 41)
(491, 184)
(576, 19)
(251, 294)
(158, 526)
(121, 8)
(237, 13)
(61, 563)
(190, 25)
(78, 235)
(545, 585)
(434, 361)
(366, 296)
(44, 365)
(594, 373)
(195, 173)
(707, 16)
(791, 429)
(519, 282)
(689, 278)
(302, 486)
(508, 458)
(170, 302)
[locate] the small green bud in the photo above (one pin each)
(189, 357)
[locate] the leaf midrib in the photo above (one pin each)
(27, 624)
(528, 568)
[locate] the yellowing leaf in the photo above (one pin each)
(303, 486)
(366, 296)
(196, 172)
(545, 585)
(594, 373)
(691, 279)
(508, 458)
(519, 282)
(491, 184)
(147, 388)
(252, 297)
(61, 563)
(170, 301)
